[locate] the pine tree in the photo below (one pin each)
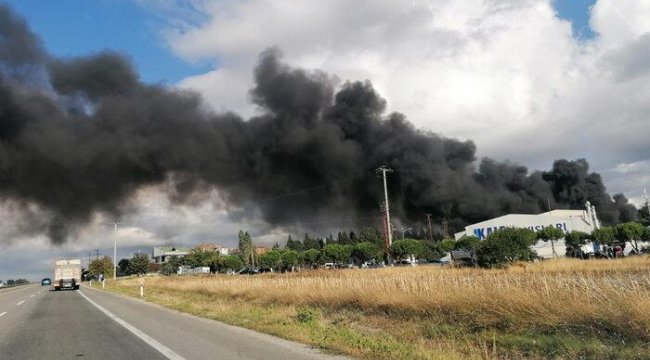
(246, 248)
(343, 238)
(310, 243)
(353, 238)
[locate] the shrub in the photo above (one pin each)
(306, 315)
(505, 246)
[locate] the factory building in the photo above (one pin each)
(566, 220)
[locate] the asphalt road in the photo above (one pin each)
(36, 323)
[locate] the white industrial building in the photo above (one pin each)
(566, 220)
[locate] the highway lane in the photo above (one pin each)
(63, 325)
(192, 337)
(43, 324)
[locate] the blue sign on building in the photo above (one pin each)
(482, 233)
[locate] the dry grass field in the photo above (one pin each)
(562, 308)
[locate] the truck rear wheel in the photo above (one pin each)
(56, 288)
(76, 287)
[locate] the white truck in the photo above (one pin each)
(67, 274)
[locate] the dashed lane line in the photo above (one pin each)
(20, 303)
(3, 314)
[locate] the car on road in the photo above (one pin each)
(46, 282)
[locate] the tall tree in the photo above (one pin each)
(289, 259)
(294, 244)
(310, 257)
(550, 233)
(372, 235)
(402, 249)
(506, 246)
(101, 266)
(271, 260)
(171, 266)
(310, 242)
(604, 235)
(246, 249)
(630, 231)
(343, 238)
(366, 251)
(574, 241)
(337, 253)
(469, 243)
(138, 264)
(197, 257)
(231, 263)
(123, 265)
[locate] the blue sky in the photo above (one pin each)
(78, 27)
(576, 11)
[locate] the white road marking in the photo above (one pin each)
(32, 295)
(164, 350)
(20, 303)
(3, 314)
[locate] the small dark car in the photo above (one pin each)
(249, 271)
(46, 282)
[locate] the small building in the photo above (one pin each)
(213, 247)
(261, 250)
(162, 254)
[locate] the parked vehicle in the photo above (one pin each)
(374, 265)
(344, 266)
(439, 262)
(46, 282)
(248, 271)
(67, 274)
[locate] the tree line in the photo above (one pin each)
(500, 248)
(509, 245)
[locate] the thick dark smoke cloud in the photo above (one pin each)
(80, 136)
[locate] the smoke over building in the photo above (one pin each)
(80, 136)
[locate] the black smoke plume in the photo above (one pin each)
(80, 136)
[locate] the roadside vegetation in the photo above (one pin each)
(563, 308)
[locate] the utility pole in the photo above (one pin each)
(430, 227)
(383, 169)
(89, 253)
(115, 251)
(96, 254)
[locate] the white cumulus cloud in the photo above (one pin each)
(508, 74)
